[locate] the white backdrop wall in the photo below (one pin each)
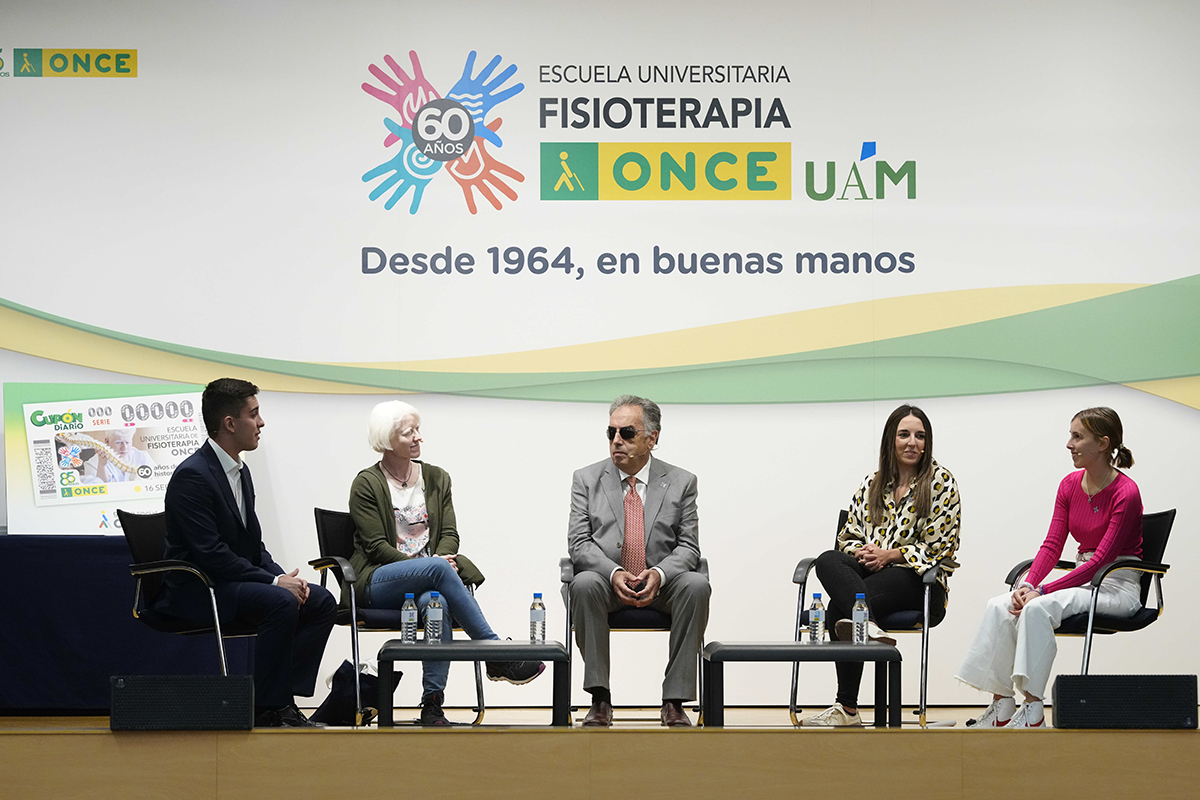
(208, 217)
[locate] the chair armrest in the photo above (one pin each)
(930, 576)
(802, 569)
(158, 567)
(702, 567)
(340, 566)
(1140, 566)
(1016, 572)
(1019, 570)
(800, 575)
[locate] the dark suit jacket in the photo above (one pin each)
(597, 528)
(205, 528)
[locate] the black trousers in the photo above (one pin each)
(290, 641)
(891, 589)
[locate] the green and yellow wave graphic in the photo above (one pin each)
(968, 342)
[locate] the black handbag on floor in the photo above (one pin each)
(338, 708)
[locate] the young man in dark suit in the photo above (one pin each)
(211, 523)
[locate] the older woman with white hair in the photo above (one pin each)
(406, 540)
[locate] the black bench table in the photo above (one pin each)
(474, 650)
(716, 654)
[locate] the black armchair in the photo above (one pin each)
(625, 619)
(146, 536)
(335, 538)
(1156, 529)
(901, 622)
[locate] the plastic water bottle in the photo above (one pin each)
(859, 617)
(816, 620)
(433, 619)
(408, 619)
(537, 620)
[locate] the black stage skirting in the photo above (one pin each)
(66, 625)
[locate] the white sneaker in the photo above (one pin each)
(991, 717)
(845, 632)
(1021, 718)
(833, 717)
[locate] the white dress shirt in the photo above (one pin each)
(233, 471)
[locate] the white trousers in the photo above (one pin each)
(1018, 651)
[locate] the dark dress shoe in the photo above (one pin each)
(673, 716)
(287, 717)
(268, 718)
(293, 717)
(599, 715)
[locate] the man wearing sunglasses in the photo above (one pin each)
(634, 541)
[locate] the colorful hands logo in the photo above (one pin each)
(70, 456)
(435, 132)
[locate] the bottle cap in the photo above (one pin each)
(816, 595)
(408, 595)
(537, 595)
(857, 596)
(435, 595)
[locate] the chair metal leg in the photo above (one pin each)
(793, 707)
(1087, 641)
(480, 707)
(137, 597)
(570, 652)
(212, 596)
(358, 706)
(922, 710)
(925, 661)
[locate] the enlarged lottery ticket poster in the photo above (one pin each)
(76, 452)
(99, 450)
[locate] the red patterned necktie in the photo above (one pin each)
(633, 552)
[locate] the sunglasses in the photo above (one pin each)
(627, 433)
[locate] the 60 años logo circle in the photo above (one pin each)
(443, 129)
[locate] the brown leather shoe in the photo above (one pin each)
(599, 715)
(673, 716)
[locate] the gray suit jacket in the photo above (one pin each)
(597, 527)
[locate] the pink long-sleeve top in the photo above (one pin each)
(1111, 525)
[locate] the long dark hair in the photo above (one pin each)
(1103, 421)
(889, 469)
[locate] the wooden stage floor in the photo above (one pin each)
(515, 754)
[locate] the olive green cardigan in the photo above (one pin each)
(375, 526)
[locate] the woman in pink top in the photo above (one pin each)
(1102, 509)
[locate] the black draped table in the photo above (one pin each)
(66, 625)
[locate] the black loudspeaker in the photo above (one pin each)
(182, 703)
(1125, 701)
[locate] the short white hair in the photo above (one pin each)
(385, 419)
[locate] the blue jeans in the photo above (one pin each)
(421, 576)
